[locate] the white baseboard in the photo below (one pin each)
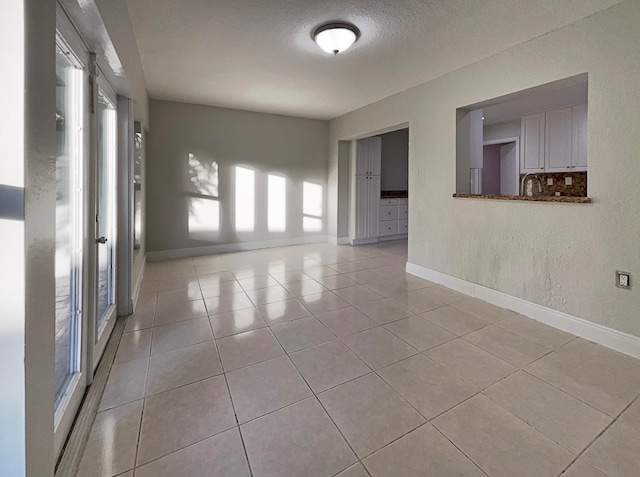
(339, 240)
(614, 339)
(232, 247)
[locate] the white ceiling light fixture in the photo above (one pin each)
(336, 37)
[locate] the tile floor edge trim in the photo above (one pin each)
(234, 247)
(603, 335)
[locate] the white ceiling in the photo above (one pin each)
(258, 55)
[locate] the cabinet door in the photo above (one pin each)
(532, 149)
(558, 140)
(375, 155)
(374, 206)
(579, 137)
(362, 156)
(362, 206)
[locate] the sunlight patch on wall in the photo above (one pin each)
(277, 203)
(245, 199)
(312, 207)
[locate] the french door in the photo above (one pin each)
(105, 118)
(86, 217)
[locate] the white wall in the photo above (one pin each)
(507, 129)
(268, 144)
(562, 256)
(394, 174)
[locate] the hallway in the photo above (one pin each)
(320, 360)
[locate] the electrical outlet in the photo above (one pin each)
(568, 181)
(623, 279)
(549, 180)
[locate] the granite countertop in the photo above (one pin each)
(538, 198)
(394, 194)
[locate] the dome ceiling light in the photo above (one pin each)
(336, 37)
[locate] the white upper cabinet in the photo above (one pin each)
(579, 138)
(558, 133)
(554, 141)
(532, 143)
(369, 156)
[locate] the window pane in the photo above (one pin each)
(69, 205)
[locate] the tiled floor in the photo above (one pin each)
(321, 361)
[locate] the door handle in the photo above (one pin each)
(101, 240)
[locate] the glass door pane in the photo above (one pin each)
(106, 208)
(69, 223)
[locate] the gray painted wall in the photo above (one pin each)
(562, 256)
(394, 174)
(289, 147)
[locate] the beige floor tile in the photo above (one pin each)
(126, 383)
(232, 302)
(346, 321)
(428, 387)
(182, 366)
(423, 452)
(297, 440)
(499, 442)
(181, 311)
(282, 311)
(323, 302)
(535, 331)
(616, 452)
(488, 312)
(177, 418)
(265, 387)
(176, 283)
(384, 311)
(560, 417)
(333, 282)
(631, 416)
(140, 320)
(470, 363)
(601, 377)
(378, 347)
(192, 292)
(512, 348)
(248, 348)
(212, 289)
(134, 345)
(582, 469)
(328, 365)
(111, 447)
(234, 322)
(146, 302)
(420, 333)
(264, 296)
(456, 321)
(220, 456)
(257, 282)
(357, 294)
(356, 470)
(417, 301)
(302, 333)
(179, 335)
(305, 287)
(369, 413)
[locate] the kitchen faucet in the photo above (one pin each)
(524, 178)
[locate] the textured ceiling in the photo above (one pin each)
(258, 55)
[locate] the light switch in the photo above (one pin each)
(568, 181)
(549, 180)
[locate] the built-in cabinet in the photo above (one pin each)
(367, 188)
(394, 217)
(554, 141)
